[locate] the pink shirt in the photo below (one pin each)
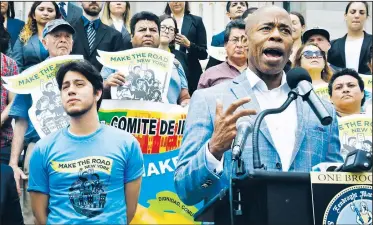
(217, 74)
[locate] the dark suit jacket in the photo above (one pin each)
(10, 208)
(194, 29)
(336, 54)
(27, 55)
(107, 39)
(183, 59)
(218, 39)
(74, 12)
(14, 27)
(126, 37)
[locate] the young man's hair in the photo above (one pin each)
(87, 70)
(144, 15)
(238, 23)
(349, 72)
(248, 12)
(227, 7)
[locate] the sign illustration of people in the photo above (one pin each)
(355, 132)
(148, 73)
(49, 110)
(46, 114)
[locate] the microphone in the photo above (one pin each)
(244, 128)
(299, 77)
(356, 161)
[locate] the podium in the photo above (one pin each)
(293, 198)
(267, 198)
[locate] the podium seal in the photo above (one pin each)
(352, 205)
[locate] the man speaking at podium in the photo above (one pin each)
(293, 140)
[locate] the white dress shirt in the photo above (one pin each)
(282, 127)
(352, 53)
(118, 24)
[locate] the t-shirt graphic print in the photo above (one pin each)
(88, 192)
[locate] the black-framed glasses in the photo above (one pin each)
(170, 29)
(309, 54)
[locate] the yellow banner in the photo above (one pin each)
(322, 91)
(167, 208)
(32, 78)
(137, 56)
(98, 163)
(367, 82)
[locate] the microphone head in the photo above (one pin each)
(245, 122)
(296, 75)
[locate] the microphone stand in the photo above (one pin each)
(293, 94)
(237, 165)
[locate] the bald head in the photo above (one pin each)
(269, 35)
(253, 18)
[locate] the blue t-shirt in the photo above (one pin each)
(85, 176)
(21, 105)
(178, 81)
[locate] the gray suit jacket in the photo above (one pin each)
(74, 12)
(194, 181)
(27, 55)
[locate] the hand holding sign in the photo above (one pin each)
(115, 79)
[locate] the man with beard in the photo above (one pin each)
(203, 167)
(57, 39)
(86, 146)
(91, 34)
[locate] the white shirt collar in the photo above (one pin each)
(255, 81)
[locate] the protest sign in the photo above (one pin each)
(355, 132)
(322, 91)
(218, 53)
(148, 73)
(159, 129)
(367, 82)
(46, 113)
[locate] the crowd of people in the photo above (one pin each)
(261, 44)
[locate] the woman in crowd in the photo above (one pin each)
(313, 59)
(346, 90)
(12, 25)
(352, 50)
(118, 15)
(191, 39)
(167, 40)
(28, 49)
(8, 68)
(299, 25)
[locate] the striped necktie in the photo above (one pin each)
(62, 9)
(91, 34)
